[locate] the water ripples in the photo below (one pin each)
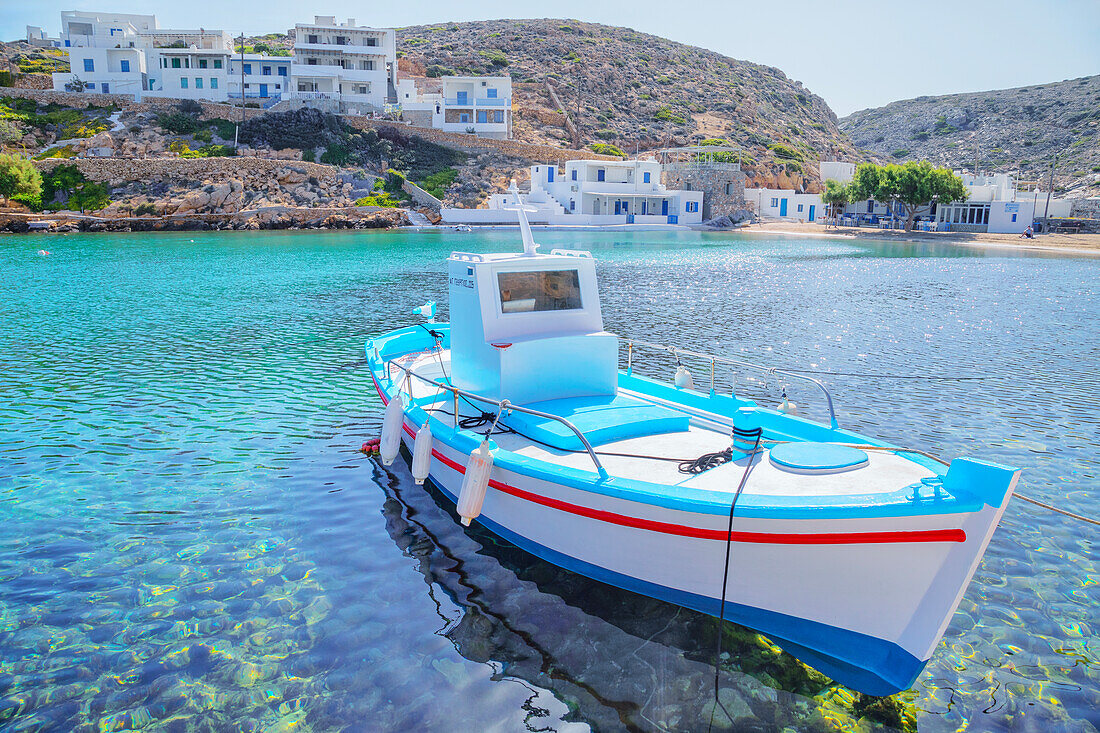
(190, 541)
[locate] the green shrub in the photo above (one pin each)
(90, 197)
(224, 128)
(606, 134)
(308, 155)
(785, 152)
(384, 199)
(65, 151)
(437, 183)
(922, 135)
(146, 209)
(32, 201)
(204, 136)
(179, 123)
(664, 114)
(607, 149)
(495, 57)
(900, 153)
(210, 151)
(336, 155)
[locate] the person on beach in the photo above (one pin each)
(1027, 234)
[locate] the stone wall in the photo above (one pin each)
(210, 110)
(118, 171)
(474, 144)
(421, 196)
(722, 184)
(1085, 208)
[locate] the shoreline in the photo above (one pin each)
(1081, 244)
(335, 218)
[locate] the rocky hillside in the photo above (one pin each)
(1004, 130)
(634, 90)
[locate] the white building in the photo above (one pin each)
(787, 204)
(481, 105)
(118, 53)
(106, 54)
(264, 77)
(339, 65)
(593, 192)
(37, 36)
(351, 66)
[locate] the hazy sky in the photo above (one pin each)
(855, 54)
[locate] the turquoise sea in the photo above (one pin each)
(189, 539)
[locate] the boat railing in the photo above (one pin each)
(502, 406)
(715, 359)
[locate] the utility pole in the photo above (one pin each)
(237, 132)
(1050, 190)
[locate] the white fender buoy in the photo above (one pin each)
(392, 425)
(474, 483)
(682, 378)
(787, 407)
(422, 453)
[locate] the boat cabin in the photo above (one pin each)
(528, 327)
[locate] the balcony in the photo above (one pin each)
(484, 102)
(330, 71)
(341, 48)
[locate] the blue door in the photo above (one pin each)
(673, 219)
(550, 174)
(811, 212)
(618, 208)
(263, 90)
(599, 174)
(664, 208)
(782, 207)
(462, 98)
(106, 88)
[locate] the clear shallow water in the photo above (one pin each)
(190, 541)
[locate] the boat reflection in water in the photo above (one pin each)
(617, 659)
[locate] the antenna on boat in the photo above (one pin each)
(521, 210)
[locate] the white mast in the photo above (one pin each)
(529, 246)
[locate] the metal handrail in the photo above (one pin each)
(501, 406)
(713, 359)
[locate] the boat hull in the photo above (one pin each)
(864, 600)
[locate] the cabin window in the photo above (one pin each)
(545, 290)
(645, 177)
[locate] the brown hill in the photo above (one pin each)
(634, 90)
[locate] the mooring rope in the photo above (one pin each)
(756, 434)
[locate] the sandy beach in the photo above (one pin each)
(1068, 243)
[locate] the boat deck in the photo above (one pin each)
(884, 472)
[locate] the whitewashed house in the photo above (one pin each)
(119, 53)
(37, 36)
(479, 105)
(258, 76)
(594, 192)
(785, 204)
(344, 65)
(106, 53)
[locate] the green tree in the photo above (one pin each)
(90, 197)
(18, 176)
(915, 186)
(836, 195)
(64, 179)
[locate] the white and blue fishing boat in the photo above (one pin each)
(850, 553)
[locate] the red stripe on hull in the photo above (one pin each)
(847, 538)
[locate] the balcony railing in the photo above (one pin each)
(471, 102)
